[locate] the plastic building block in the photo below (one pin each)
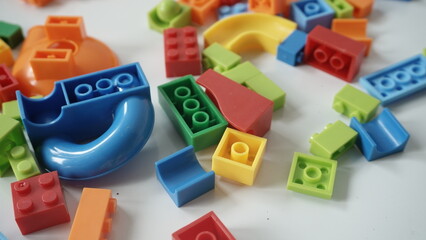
(183, 177)
(219, 58)
(249, 76)
(424, 52)
(202, 10)
(397, 81)
(38, 3)
(2, 236)
(6, 56)
(207, 227)
(93, 217)
(228, 2)
(287, 7)
(248, 32)
(362, 8)
(11, 34)
(244, 109)
(380, 137)
(23, 163)
(193, 114)
(352, 102)
(11, 109)
(333, 141)
(61, 44)
(353, 28)
(341, 8)
(312, 175)
(239, 156)
(181, 52)
(310, 13)
(38, 203)
(92, 124)
(266, 6)
(226, 11)
(333, 53)
(169, 14)
(291, 49)
(8, 85)
(11, 135)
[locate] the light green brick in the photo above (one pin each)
(11, 135)
(341, 8)
(219, 58)
(11, 109)
(169, 14)
(352, 102)
(23, 162)
(312, 175)
(333, 141)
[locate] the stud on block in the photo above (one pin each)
(8, 85)
(310, 13)
(355, 29)
(169, 14)
(23, 162)
(341, 8)
(226, 11)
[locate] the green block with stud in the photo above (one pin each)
(219, 58)
(333, 141)
(11, 34)
(312, 175)
(353, 102)
(342, 9)
(169, 14)
(23, 162)
(11, 109)
(248, 75)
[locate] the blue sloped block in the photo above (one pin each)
(381, 136)
(310, 13)
(397, 81)
(226, 11)
(290, 50)
(183, 177)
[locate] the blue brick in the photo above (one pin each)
(309, 13)
(397, 81)
(226, 11)
(290, 50)
(380, 137)
(2, 237)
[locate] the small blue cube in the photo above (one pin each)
(291, 49)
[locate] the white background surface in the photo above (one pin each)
(383, 199)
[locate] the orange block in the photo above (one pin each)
(93, 217)
(38, 3)
(202, 10)
(44, 61)
(353, 28)
(287, 7)
(266, 6)
(362, 8)
(6, 56)
(65, 27)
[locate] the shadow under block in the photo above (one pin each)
(380, 137)
(333, 141)
(244, 109)
(193, 114)
(352, 102)
(219, 58)
(169, 14)
(249, 76)
(182, 176)
(93, 217)
(312, 175)
(239, 156)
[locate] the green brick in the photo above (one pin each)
(312, 175)
(424, 51)
(23, 162)
(248, 75)
(11, 34)
(169, 14)
(11, 135)
(333, 141)
(352, 102)
(11, 109)
(187, 106)
(219, 58)
(341, 8)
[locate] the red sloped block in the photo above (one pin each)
(333, 53)
(244, 109)
(207, 227)
(38, 203)
(8, 85)
(181, 52)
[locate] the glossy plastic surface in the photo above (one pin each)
(6, 56)
(380, 137)
(291, 49)
(8, 85)
(249, 31)
(362, 8)
(182, 176)
(92, 124)
(11, 135)
(219, 58)
(23, 162)
(202, 10)
(397, 81)
(266, 6)
(355, 29)
(2, 236)
(341, 8)
(226, 11)
(310, 13)
(11, 34)
(11, 109)
(169, 14)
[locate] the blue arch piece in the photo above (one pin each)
(90, 125)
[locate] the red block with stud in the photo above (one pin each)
(244, 109)
(8, 85)
(38, 203)
(181, 52)
(208, 227)
(334, 53)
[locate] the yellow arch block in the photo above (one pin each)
(251, 31)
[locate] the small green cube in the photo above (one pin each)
(11, 34)
(341, 8)
(219, 58)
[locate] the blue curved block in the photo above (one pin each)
(226, 11)
(183, 177)
(381, 136)
(92, 124)
(398, 80)
(310, 13)
(290, 50)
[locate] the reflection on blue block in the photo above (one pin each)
(226, 11)
(310, 13)
(397, 81)
(183, 177)
(290, 50)
(381, 136)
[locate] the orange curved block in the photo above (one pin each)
(202, 10)
(353, 28)
(266, 6)
(362, 8)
